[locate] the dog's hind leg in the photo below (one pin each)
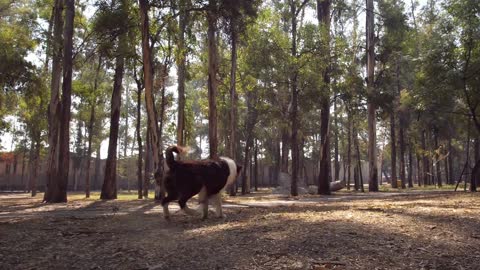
(217, 200)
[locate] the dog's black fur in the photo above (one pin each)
(185, 179)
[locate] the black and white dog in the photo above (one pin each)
(207, 178)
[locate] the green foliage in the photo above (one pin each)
(426, 72)
(17, 23)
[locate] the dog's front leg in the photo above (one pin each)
(205, 209)
(203, 200)
(165, 202)
(166, 213)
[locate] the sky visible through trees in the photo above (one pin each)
(356, 124)
(35, 57)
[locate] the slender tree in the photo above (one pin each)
(90, 127)
(109, 188)
(371, 107)
(212, 12)
(140, 180)
(181, 70)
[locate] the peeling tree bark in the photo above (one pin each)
(59, 191)
(52, 186)
(149, 100)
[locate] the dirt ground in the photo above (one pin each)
(413, 230)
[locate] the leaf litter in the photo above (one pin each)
(422, 230)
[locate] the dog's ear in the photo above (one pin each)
(239, 169)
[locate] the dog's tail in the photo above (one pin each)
(171, 162)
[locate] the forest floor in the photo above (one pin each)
(348, 230)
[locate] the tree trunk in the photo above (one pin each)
(255, 162)
(233, 103)
(294, 104)
(419, 171)
(371, 107)
(447, 173)
(349, 150)
(125, 143)
(149, 100)
(323, 13)
(401, 127)
(90, 129)
(477, 157)
(49, 40)
(336, 163)
(426, 166)
(52, 186)
(475, 175)
(109, 188)
(382, 155)
(467, 160)
(245, 167)
(89, 150)
(402, 152)
(23, 169)
(393, 151)
(148, 162)
(359, 160)
(96, 176)
(251, 100)
(181, 73)
(74, 175)
(139, 139)
(355, 177)
(285, 150)
(450, 161)
(277, 167)
(212, 78)
(437, 157)
(430, 146)
(323, 180)
(410, 166)
(59, 193)
(34, 163)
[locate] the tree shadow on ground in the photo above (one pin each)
(333, 235)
